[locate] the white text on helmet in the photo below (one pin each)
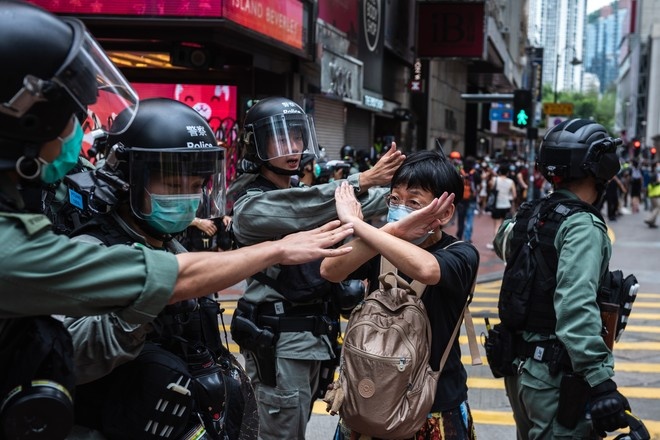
(291, 110)
(200, 144)
(196, 130)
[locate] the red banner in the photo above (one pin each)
(278, 19)
(450, 30)
(282, 20)
(158, 8)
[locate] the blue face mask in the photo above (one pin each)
(68, 157)
(172, 213)
(397, 212)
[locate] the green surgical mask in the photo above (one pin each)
(68, 157)
(172, 213)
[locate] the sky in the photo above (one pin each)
(593, 5)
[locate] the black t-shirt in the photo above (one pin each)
(444, 303)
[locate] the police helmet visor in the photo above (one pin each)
(184, 172)
(92, 82)
(284, 135)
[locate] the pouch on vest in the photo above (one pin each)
(299, 283)
(166, 388)
(520, 277)
(500, 346)
(516, 290)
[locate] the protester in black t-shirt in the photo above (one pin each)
(423, 195)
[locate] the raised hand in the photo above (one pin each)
(306, 246)
(348, 207)
(383, 171)
(421, 222)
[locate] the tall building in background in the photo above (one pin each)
(559, 26)
(602, 39)
(638, 85)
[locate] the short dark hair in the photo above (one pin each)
(430, 171)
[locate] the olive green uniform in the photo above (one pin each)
(584, 251)
(43, 273)
(260, 216)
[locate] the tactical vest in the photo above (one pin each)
(547, 218)
(188, 331)
(300, 283)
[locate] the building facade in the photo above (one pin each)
(358, 66)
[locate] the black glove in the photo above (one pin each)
(608, 408)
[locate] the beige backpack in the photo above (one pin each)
(386, 386)
(388, 383)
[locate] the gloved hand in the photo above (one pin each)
(608, 407)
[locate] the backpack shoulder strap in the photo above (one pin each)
(465, 316)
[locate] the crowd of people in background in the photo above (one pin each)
(634, 190)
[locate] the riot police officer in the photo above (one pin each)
(283, 322)
(159, 170)
(561, 385)
(53, 73)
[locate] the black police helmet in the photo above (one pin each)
(33, 42)
(166, 138)
(347, 295)
(578, 148)
(52, 69)
(164, 125)
(280, 118)
(347, 152)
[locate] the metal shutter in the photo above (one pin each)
(358, 128)
(329, 123)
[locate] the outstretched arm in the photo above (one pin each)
(295, 209)
(203, 272)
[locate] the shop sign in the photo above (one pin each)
(282, 20)
(371, 43)
(279, 19)
(341, 76)
(153, 8)
(374, 102)
(450, 29)
(558, 108)
(417, 82)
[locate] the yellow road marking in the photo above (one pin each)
(504, 418)
(630, 392)
(641, 329)
(483, 417)
(629, 367)
(636, 346)
(652, 316)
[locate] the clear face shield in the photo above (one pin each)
(170, 187)
(92, 82)
(284, 135)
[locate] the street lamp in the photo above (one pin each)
(574, 62)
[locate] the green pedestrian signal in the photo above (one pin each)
(522, 118)
(522, 108)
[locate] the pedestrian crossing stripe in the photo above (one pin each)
(502, 418)
(628, 367)
(229, 306)
(629, 392)
(506, 418)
